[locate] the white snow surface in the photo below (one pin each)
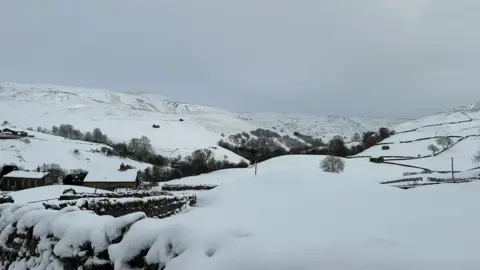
(111, 176)
(52, 192)
(292, 216)
(26, 174)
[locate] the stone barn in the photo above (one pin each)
(112, 179)
(18, 180)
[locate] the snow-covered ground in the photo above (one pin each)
(291, 215)
(47, 193)
(48, 149)
(300, 218)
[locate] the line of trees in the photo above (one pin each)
(141, 149)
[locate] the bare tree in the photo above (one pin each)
(432, 147)
(141, 148)
(444, 142)
(356, 138)
(476, 157)
(98, 136)
(332, 164)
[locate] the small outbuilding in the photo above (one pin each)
(19, 180)
(112, 179)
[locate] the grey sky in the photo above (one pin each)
(392, 58)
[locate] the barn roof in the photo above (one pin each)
(25, 174)
(111, 176)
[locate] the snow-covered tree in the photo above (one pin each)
(332, 164)
(356, 138)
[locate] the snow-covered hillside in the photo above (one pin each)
(69, 154)
(121, 116)
(412, 139)
(324, 127)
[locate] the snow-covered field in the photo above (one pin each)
(462, 154)
(47, 193)
(291, 215)
(442, 124)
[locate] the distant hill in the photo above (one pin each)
(182, 127)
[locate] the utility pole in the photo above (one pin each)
(453, 177)
(256, 167)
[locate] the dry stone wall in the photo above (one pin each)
(117, 205)
(33, 237)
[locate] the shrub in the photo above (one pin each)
(4, 123)
(432, 148)
(332, 164)
(476, 157)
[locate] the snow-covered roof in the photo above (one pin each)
(111, 176)
(25, 174)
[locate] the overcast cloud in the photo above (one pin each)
(391, 58)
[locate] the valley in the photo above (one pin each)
(385, 207)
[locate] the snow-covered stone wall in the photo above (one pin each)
(5, 198)
(32, 237)
(160, 206)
